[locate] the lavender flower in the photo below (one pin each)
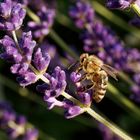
(15, 125)
(11, 15)
(41, 60)
(82, 14)
(43, 27)
(72, 110)
(55, 88)
(21, 56)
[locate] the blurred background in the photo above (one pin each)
(118, 106)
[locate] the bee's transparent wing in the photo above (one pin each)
(110, 71)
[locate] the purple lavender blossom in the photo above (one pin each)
(82, 14)
(11, 15)
(72, 110)
(55, 88)
(85, 97)
(15, 125)
(23, 58)
(41, 59)
(43, 27)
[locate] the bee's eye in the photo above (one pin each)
(82, 60)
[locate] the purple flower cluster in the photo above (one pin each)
(11, 15)
(42, 28)
(15, 125)
(21, 56)
(103, 42)
(30, 64)
(82, 18)
(55, 88)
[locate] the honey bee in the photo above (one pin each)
(97, 72)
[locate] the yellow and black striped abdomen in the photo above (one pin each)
(101, 80)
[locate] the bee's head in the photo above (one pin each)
(95, 63)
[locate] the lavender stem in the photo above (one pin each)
(110, 125)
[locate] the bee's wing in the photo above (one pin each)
(110, 71)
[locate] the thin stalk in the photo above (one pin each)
(110, 125)
(136, 8)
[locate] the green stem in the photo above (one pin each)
(136, 8)
(110, 125)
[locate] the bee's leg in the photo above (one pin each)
(73, 65)
(78, 69)
(88, 87)
(83, 77)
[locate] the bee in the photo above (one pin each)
(97, 72)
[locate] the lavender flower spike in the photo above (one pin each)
(15, 125)
(82, 13)
(55, 88)
(21, 57)
(42, 28)
(11, 15)
(41, 59)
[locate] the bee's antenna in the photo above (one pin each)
(72, 65)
